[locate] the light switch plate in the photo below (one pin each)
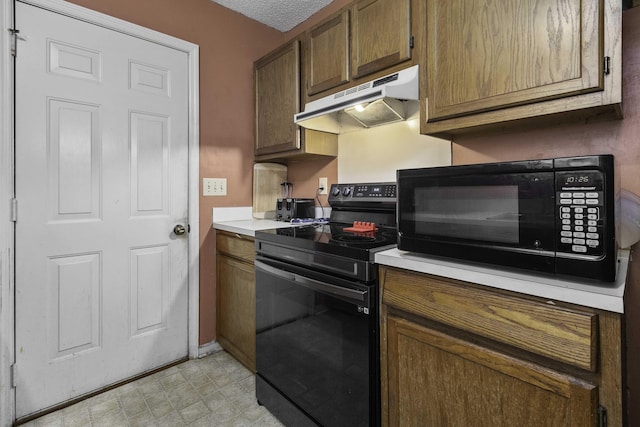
(214, 186)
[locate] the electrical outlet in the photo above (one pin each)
(322, 183)
(214, 186)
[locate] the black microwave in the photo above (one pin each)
(553, 216)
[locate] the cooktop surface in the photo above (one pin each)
(334, 239)
(362, 222)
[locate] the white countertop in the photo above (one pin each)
(607, 297)
(249, 227)
(239, 220)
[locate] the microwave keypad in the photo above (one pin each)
(580, 214)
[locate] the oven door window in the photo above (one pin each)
(313, 345)
(509, 210)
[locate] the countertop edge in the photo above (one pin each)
(240, 220)
(249, 227)
(587, 294)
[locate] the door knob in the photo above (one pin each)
(179, 230)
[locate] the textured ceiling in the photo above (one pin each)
(282, 15)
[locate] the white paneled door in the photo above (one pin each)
(101, 182)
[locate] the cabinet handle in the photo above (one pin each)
(602, 416)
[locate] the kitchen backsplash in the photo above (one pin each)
(374, 155)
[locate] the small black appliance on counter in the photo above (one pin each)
(287, 209)
(553, 215)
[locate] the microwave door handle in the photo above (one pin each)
(327, 288)
(275, 271)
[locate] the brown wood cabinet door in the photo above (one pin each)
(483, 55)
(533, 326)
(236, 309)
(277, 93)
(381, 35)
(328, 54)
(435, 379)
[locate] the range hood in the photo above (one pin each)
(388, 99)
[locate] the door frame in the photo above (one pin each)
(7, 170)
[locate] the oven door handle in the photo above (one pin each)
(316, 285)
(275, 271)
(327, 288)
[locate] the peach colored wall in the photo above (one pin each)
(304, 177)
(229, 44)
(617, 137)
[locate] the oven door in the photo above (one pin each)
(316, 346)
(478, 214)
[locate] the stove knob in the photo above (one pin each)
(335, 191)
(346, 191)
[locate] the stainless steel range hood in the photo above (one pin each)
(388, 99)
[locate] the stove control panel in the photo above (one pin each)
(354, 194)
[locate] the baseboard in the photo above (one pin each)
(208, 348)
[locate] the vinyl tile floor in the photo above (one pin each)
(213, 391)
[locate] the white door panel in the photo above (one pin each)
(101, 180)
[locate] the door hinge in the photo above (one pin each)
(14, 44)
(602, 416)
(411, 42)
(13, 210)
(607, 65)
(14, 376)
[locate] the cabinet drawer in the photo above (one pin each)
(436, 379)
(566, 335)
(236, 245)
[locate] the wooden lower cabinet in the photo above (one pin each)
(235, 314)
(475, 385)
(448, 359)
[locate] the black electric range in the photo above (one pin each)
(317, 316)
(336, 245)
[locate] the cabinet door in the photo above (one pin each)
(484, 55)
(381, 35)
(277, 93)
(435, 379)
(236, 318)
(328, 54)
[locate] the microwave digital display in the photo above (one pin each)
(591, 180)
(577, 180)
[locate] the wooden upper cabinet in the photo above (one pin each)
(380, 35)
(328, 54)
(486, 55)
(277, 95)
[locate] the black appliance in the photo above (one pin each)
(317, 320)
(553, 216)
(290, 208)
